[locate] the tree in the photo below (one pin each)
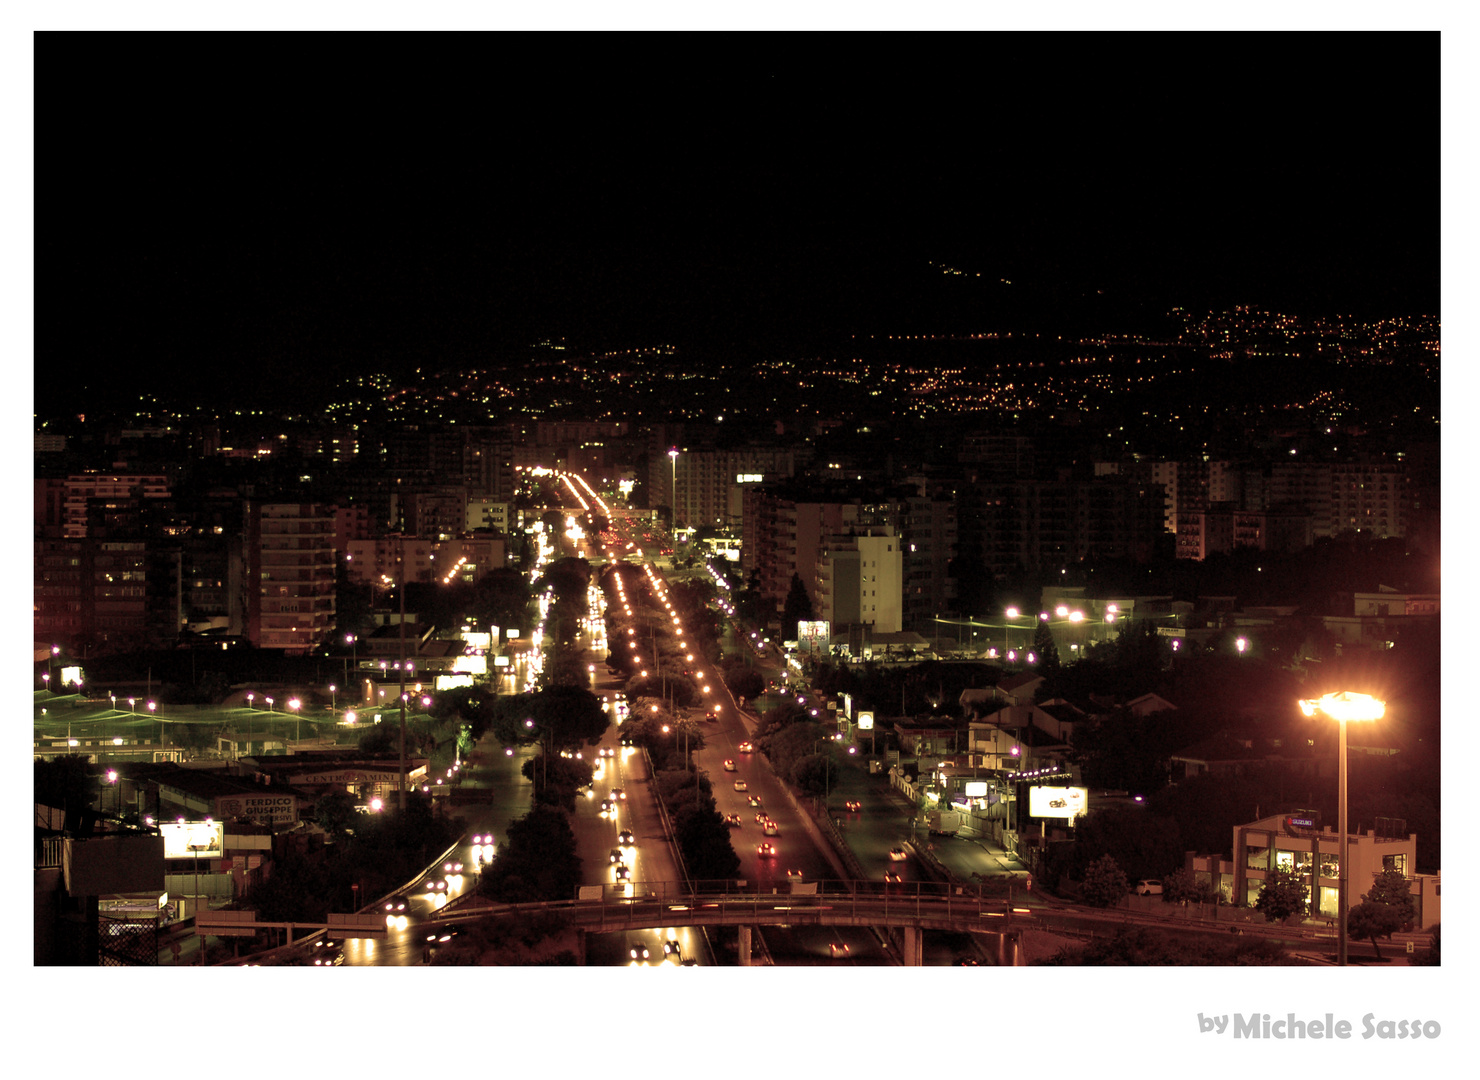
(334, 812)
(1182, 886)
(380, 738)
(1285, 894)
(1104, 883)
(705, 840)
(537, 862)
(1385, 909)
(798, 606)
(1048, 652)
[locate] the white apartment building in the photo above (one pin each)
(860, 579)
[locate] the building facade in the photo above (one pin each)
(289, 579)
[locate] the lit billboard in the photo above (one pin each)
(1064, 802)
(865, 720)
(193, 839)
(813, 635)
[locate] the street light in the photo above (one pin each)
(1341, 708)
(293, 704)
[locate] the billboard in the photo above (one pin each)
(865, 720)
(976, 789)
(1064, 802)
(193, 839)
(814, 635)
(273, 809)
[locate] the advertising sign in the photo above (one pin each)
(813, 635)
(193, 839)
(975, 789)
(274, 809)
(1064, 802)
(865, 720)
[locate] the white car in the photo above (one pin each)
(740, 785)
(1148, 887)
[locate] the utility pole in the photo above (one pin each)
(401, 782)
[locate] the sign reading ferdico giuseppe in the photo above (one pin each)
(265, 808)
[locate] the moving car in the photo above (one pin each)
(732, 820)
(853, 805)
(672, 948)
(898, 854)
(618, 793)
(795, 875)
(729, 765)
(615, 856)
(839, 948)
(766, 851)
(892, 876)
(740, 785)
(755, 800)
(638, 953)
(746, 748)
(770, 828)
(625, 838)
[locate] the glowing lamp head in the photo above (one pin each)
(1346, 706)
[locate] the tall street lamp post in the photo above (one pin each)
(673, 459)
(1341, 708)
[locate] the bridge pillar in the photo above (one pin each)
(580, 949)
(745, 946)
(912, 943)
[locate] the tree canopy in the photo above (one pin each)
(538, 860)
(1105, 883)
(1385, 909)
(1285, 894)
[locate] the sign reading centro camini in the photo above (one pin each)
(1064, 802)
(193, 839)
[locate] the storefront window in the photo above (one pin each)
(1396, 862)
(1303, 861)
(1330, 865)
(1256, 858)
(1328, 901)
(1285, 860)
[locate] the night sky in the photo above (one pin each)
(231, 220)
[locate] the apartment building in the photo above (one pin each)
(289, 578)
(860, 580)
